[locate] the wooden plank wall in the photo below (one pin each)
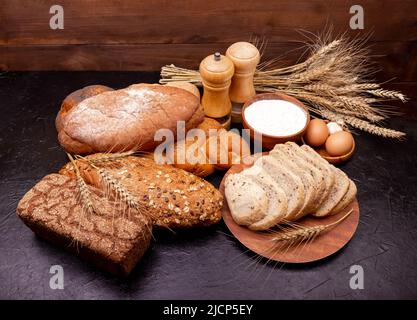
(146, 34)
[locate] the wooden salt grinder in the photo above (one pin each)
(245, 57)
(216, 73)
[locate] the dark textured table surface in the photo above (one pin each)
(207, 263)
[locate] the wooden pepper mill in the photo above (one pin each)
(216, 72)
(245, 57)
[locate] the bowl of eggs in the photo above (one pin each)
(330, 139)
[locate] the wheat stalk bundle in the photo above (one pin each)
(335, 82)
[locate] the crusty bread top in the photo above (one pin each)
(127, 119)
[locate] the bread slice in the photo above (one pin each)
(288, 181)
(339, 189)
(277, 199)
(295, 157)
(347, 198)
(306, 177)
(299, 157)
(247, 200)
(321, 164)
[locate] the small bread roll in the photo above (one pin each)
(202, 168)
(230, 144)
(186, 86)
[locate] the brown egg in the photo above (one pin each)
(316, 133)
(339, 143)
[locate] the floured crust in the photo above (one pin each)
(126, 119)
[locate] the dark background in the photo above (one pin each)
(139, 36)
(207, 263)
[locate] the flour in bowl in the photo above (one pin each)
(275, 117)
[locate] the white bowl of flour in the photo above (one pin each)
(275, 118)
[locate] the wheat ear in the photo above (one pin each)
(387, 94)
(363, 125)
(112, 184)
(110, 157)
(83, 191)
(296, 233)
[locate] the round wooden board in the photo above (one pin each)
(321, 247)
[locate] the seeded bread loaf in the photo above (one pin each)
(126, 119)
(173, 197)
(110, 238)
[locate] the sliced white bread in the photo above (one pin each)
(347, 198)
(277, 199)
(288, 181)
(319, 183)
(339, 189)
(323, 168)
(247, 200)
(305, 176)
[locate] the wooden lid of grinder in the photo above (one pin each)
(216, 69)
(245, 56)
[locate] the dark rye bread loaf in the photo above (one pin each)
(173, 197)
(106, 120)
(110, 239)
